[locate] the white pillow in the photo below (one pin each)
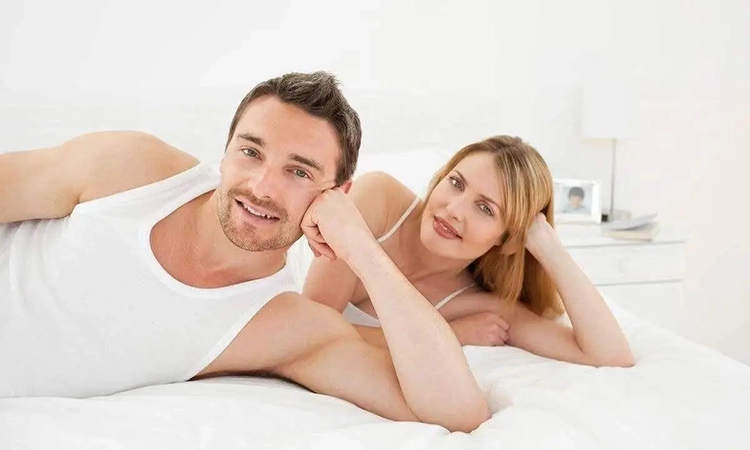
(414, 168)
(298, 259)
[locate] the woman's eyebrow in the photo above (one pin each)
(463, 180)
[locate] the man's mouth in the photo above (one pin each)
(257, 212)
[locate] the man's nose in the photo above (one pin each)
(265, 183)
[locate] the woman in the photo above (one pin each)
(482, 249)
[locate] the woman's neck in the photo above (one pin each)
(419, 261)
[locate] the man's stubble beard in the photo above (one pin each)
(247, 239)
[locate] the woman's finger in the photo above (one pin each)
(504, 336)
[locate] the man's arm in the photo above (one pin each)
(313, 345)
(333, 283)
(48, 183)
(427, 357)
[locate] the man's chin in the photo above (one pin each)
(256, 244)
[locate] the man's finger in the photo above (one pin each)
(312, 233)
(323, 249)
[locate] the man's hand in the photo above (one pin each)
(485, 329)
(334, 226)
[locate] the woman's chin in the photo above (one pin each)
(434, 245)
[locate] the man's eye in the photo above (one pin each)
(301, 173)
(250, 152)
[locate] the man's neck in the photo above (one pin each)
(216, 258)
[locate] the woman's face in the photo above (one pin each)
(462, 218)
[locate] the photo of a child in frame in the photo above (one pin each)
(574, 205)
(577, 201)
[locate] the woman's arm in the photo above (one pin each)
(596, 338)
(485, 328)
(427, 357)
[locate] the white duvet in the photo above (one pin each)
(679, 395)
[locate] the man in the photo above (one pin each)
(125, 262)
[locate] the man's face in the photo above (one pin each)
(279, 159)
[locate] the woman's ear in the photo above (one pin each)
(508, 245)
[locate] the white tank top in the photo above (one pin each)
(358, 317)
(86, 309)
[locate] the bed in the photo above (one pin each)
(679, 395)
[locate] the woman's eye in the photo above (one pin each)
(486, 209)
(250, 152)
(455, 182)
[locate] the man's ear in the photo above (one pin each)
(346, 186)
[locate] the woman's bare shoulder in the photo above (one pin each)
(381, 199)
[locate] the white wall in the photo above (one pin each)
(485, 67)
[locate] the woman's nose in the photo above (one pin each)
(454, 209)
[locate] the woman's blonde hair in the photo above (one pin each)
(526, 189)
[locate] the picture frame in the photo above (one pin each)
(577, 201)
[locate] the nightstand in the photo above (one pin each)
(644, 277)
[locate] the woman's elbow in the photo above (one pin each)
(623, 359)
(469, 419)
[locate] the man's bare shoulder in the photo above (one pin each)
(116, 161)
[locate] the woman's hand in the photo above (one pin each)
(596, 338)
(540, 236)
(334, 226)
(485, 328)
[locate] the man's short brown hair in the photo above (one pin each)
(318, 94)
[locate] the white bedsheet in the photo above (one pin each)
(679, 395)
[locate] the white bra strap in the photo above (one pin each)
(453, 295)
(400, 221)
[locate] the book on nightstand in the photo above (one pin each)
(645, 232)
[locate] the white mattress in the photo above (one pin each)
(679, 395)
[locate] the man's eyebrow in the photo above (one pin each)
(257, 140)
(307, 161)
(463, 180)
